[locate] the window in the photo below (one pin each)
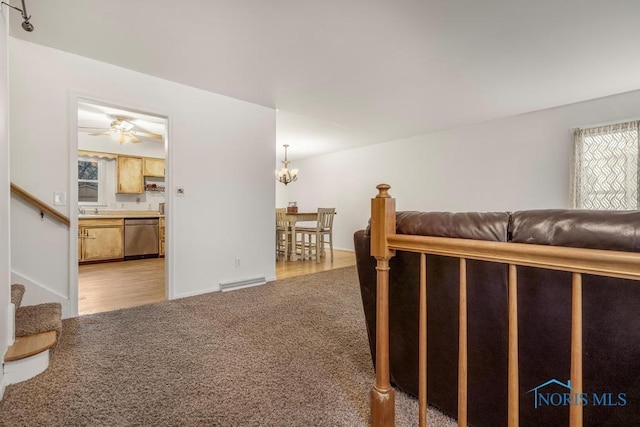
(90, 181)
(606, 167)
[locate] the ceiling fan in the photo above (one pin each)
(122, 130)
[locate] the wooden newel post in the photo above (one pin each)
(383, 222)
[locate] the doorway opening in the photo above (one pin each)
(121, 175)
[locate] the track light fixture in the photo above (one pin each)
(26, 25)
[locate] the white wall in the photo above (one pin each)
(220, 151)
(5, 255)
(516, 163)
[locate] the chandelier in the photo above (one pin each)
(286, 175)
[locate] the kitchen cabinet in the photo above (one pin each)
(153, 167)
(161, 237)
(129, 175)
(100, 239)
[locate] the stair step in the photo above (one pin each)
(35, 319)
(17, 291)
(30, 345)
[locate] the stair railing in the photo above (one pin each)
(39, 204)
(384, 243)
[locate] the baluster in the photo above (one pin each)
(513, 387)
(575, 411)
(462, 346)
(422, 345)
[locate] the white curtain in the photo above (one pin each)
(605, 174)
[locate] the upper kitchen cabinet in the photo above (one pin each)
(129, 175)
(153, 167)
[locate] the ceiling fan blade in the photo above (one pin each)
(92, 128)
(146, 134)
(135, 139)
(101, 133)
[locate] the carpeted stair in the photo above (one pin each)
(37, 330)
(35, 319)
(17, 291)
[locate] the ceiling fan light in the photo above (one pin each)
(119, 126)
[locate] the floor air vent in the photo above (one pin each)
(239, 284)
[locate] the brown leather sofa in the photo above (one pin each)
(611, 318)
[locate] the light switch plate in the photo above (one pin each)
(59, 199)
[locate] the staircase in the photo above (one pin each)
(37, 330)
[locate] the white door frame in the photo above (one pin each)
(74, 99)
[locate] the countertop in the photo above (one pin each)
(121, 214)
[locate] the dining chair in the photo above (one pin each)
(313, 239)
(283, 234)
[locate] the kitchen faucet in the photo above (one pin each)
(83, 210)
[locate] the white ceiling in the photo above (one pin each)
(354, 72)
(94, 118)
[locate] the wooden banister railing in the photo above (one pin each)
(42, 206)
(384, 242)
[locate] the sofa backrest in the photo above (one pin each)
(465, 225)
(610, 230)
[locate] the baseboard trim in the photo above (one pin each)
(21, 278)
(240, 284)
(37, 293)
(11, 324)
(3, 384)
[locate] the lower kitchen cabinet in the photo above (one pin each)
(161, 239)
(100, 239)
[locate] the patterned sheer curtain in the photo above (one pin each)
(605, 174)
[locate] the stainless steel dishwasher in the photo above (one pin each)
(140, 238)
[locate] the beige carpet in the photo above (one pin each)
(289, 353)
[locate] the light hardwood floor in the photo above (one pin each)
(285, 269)
(115, 285)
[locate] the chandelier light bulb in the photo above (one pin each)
(284, 175)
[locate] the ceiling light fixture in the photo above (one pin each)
(121, 125)
(284, 175)
(121, 130)
(122, 137)
(26, 25)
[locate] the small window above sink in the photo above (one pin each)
(91, 181)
